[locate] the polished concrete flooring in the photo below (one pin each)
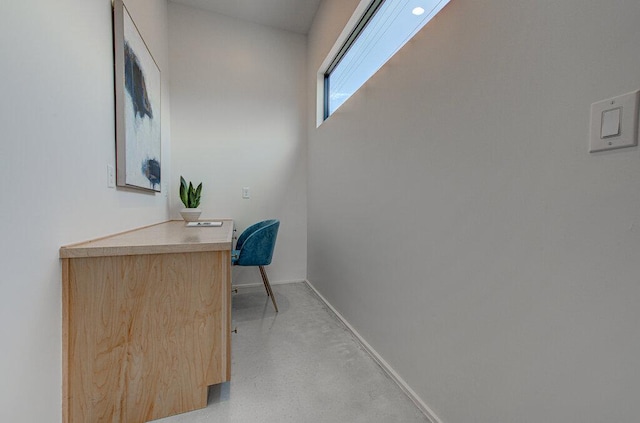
(299, 365)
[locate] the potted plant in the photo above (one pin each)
(190, 197)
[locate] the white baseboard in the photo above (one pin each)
(429, 414)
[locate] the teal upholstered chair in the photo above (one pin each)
(255, 248)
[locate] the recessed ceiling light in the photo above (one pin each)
(418, 11)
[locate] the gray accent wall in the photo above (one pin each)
(457, 221)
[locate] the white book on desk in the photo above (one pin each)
(204, 224)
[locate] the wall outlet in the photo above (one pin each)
(245, 193)
(111, 176)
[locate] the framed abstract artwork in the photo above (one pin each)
(137, 94)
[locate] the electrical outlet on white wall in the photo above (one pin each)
(111, 176)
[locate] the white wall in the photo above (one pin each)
(238, 110)
(57, 137)
(459, 224)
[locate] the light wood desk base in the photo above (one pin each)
(144, 335)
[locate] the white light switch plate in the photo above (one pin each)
(628, 136)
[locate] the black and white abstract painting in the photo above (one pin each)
(138, 133)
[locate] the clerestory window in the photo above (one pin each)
(384, 27)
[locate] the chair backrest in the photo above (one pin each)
(257, 242)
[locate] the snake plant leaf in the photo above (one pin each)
(183, 192)
(198, 193)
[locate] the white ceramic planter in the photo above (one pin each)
(190, 215)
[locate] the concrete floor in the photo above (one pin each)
(300, 365)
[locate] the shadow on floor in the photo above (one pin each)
(252, 303)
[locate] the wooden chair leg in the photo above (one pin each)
(267, 286)
(265, 280)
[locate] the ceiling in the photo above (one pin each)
(290, 15)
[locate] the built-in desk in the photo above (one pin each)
(146, 322)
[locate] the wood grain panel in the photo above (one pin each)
(146, 334)
(65, 340)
